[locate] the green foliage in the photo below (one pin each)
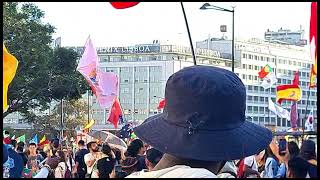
(44, 74)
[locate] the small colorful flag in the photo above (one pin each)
(265, 71)
(115, 113)
(10, 65)
(269, 80)
(309, 122)
(278, 110)
(43, 141)
(13, 137)
(294, 115)
(162, 103)
(313, 76)
(296, 79)
(288, 92)
(34, 139)
(22, 139)
(123, 5)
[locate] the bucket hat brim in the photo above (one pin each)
(243, 141)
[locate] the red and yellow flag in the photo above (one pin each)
(10, 65)
(123, 5)
(291, 92)
(313, 34)
(43, 141)
(313, 76)
(265, 71)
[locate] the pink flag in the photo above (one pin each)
(294, 115)
(104, 85)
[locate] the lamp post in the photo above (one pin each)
(208, 6)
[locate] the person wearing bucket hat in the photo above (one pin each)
(203, 124)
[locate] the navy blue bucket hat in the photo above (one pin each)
(204, 118)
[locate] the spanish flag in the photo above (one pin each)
(291, 92)
(123, 5)
(10, 65)
(313, 76)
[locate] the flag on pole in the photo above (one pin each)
(294, 115)
(269, 80)
(34, 139)
(278, 110)
(123, 5)
(309, 122)
(22, 139)
(43, 141)
(162, 103)
(288, 92)
(265, 71)
(104, 85)
(10, 65)
(313, 34)
(115, 113)
(296, 79)
(313, 76)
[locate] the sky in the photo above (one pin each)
(148, 21)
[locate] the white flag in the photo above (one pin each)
(308, 125)
(13, 137)
(278, 110)
(269, 80)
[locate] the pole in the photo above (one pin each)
(232, 39)
(88, 107)
(61, 119)
(190, 40)
(305, 116)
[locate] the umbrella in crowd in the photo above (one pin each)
(110, 138)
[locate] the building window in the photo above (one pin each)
(243, 66)
(250, 66)
(249, 98)
(261, 58)
(256, 78)
(255, 109)
(261, 109)
(261, 89)
(303, 74)
(255, 98)
(250, 77)
(255, 67)
(255, 57)
(256, 88)
(244, 55)
(250, 56)
(243, 76)
(250, 87)
(262, 99)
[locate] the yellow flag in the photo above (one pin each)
(10, 65)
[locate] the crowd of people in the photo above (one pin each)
(202, 136)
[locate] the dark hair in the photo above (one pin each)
(293, 149)
(89, 145)
(134, 147)
(55, 143)
(32, 144)
(298, 167)
(20, 148)
(6, 132)
(62, 158)
(307, 151)
(106, 149)
(117, 153)
(154, 156)
(269, 153)
(20, 144)
(81, 142)
(13, 143)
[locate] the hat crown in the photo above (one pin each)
(205, 97)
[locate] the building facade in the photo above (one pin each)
(144, 69)
(286, 36)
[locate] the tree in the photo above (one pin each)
(44, 74)
(74, 115)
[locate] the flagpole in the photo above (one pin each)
(190, 40)
(305, 116)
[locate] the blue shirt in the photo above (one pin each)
(16, 171)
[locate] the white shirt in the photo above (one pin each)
(251, 161)
(89, 157)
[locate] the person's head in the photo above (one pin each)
(293, 149)
(117, 153)
(53, 162)
(6, 133)
(213, 112)
(81, 144)
(19, 149)
(135, 147)
(20, 143)
(269, 153)
(61, 156)
(152, 158)
(297, 168)
(308, 150)
(106, 149)
(55, 143)
(13, 143)
(92, 146)
(32, 148)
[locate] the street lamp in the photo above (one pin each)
(208, 6)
